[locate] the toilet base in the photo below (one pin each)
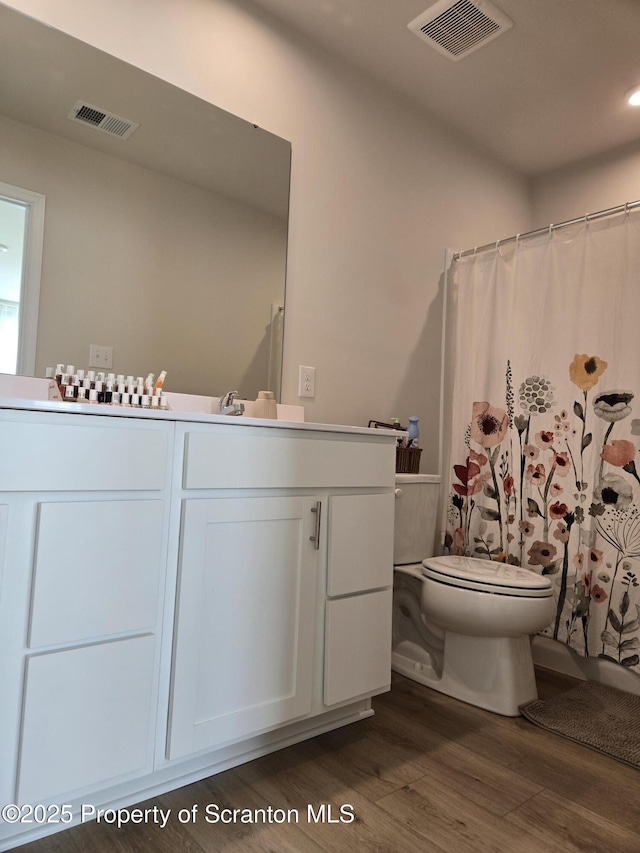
(495, 673)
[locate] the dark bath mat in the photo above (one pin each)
(595, 715)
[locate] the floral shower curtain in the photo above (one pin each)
(544, 384)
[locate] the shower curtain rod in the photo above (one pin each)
(600, 214)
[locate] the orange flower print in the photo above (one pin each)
(508, 484)
(585, 370)
(598, 594)
(556, 490)
(489, 425)
(619, 453)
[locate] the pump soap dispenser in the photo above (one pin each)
(265, 406)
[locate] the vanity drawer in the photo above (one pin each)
(357, 657)
(65, 456)
(231, 460)
(360, 552)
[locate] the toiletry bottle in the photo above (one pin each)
(62, 385)
(413, 433)
(265, 406)
(160, 381)
(402, 441)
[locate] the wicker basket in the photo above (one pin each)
(408, 460)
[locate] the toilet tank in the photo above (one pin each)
(417, 497)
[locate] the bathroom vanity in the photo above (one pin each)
(180, 594)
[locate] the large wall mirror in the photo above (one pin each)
(167, 243)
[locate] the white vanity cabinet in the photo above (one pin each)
(270, 528)
(179, 594)
(84, 518)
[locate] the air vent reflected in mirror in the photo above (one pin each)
(102, 120)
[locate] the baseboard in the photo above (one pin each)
(557, 656)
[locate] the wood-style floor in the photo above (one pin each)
(427, 773)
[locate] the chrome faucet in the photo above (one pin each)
(226, 406)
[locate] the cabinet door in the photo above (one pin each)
(360, 543)
(357, 646)
(93, 591)
(246, 619)
(87, 717)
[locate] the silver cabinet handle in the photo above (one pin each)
(316, 538)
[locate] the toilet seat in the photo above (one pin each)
(486, 576)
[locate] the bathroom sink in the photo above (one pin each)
(194, 403)
(197, 403)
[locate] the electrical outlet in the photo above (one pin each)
(100, 356)
(306, 381)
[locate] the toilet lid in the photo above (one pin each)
(487, 576)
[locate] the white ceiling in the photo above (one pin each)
(547, 93)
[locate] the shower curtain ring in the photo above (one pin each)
(626, 208)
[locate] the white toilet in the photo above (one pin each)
(461, 625)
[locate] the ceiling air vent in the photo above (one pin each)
(457, 29)
(102, 120)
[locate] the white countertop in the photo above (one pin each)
(106, 410)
